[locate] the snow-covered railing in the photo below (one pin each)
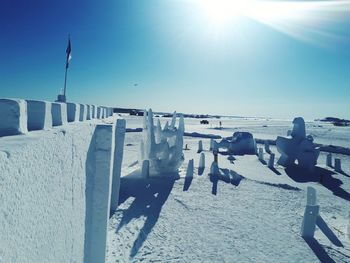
(18, 116)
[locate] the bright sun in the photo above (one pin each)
(221, 12)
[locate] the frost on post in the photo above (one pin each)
(162, 146)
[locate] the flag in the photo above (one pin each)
(69, 53)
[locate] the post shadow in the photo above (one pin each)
(187, 184)
(319, 175)
(263, 162)
(214, 179)
(328, 232)
(273, 169)
(319, 251)
(150, 195)
(343, 173)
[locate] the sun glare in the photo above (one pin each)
(221, 12)
(306, 20)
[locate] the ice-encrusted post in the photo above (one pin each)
(261, 154)
(329, 160)
(212, 145)
(98, 189)
(119, 138)
(13, 117)
(310, 215)
(59, 113)
(267, 146)
(145, 169)
(73, 112)
(190, 167)
(201, 165)
(271, 160)
(200, 146)
(337, 165)
(201, 161)
(39, 115)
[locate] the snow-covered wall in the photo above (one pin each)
(55, 188)
(19, 116)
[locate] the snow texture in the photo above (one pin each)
(13, 116)
(257, 218)
(39, 115)
(55, 193)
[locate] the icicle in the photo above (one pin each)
(173, 121)
(158, 132)
(181, 128)
(166, 127)
(145, 119)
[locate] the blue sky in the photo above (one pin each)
(180, 56)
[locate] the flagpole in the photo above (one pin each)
(62, 97)
(65, 82)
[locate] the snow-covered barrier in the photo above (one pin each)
(82, 112)
(55, 193)
(73, 112)
(99, 113)
(59, 113)
(13, 117)
(88, 112)
(39, 115)
(20, 116)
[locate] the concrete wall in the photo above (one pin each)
(55, 192)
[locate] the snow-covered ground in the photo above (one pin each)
(200, 220)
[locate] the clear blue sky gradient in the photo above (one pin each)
(173, 55)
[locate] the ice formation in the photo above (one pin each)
(162, 146)
(299, 147)
(240, 143)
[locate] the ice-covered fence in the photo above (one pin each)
(55, 193)
(39, 115)
(82, 112)
(13, 117)
(59, 113)
(73, 111)
(20, 116)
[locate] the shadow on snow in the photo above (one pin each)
(320, 175)
(150, 195)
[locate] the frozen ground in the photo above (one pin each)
(258, 221)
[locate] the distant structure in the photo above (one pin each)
(240, 143)
(299, 147)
